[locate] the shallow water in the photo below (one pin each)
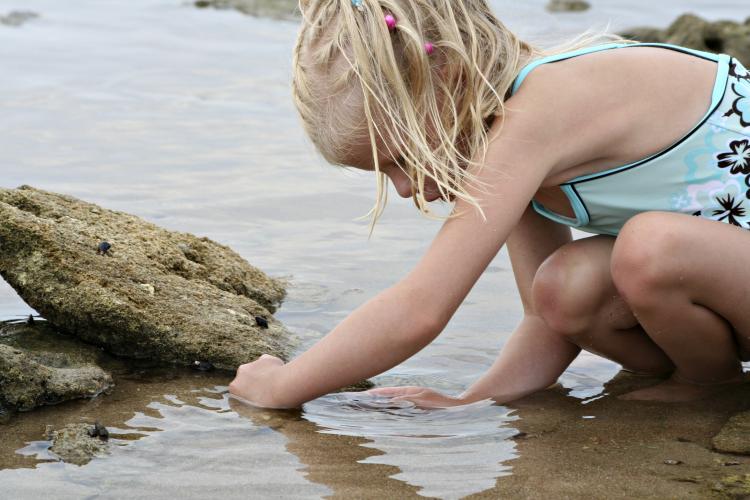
(183, 116)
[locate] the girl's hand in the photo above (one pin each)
(255, 382)
(420, 396)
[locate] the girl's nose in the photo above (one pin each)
(403, 184)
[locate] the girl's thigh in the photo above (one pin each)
(659, 252)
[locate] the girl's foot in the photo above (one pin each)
(676, 390)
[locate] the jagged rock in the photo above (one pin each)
(155, 294)
(567, 5)
(276, 9)
(48, 370)
(76, 443)
(734, 437)
(689, 30)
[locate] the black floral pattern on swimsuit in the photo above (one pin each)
(738, 71)
(738, 159)
(741, 105)
(730, 210)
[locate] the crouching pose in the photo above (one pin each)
(645, 145)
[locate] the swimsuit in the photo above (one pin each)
(706, 173)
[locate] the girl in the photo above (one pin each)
(645, 145)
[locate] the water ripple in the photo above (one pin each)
(446, 452)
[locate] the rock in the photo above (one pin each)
(48, 370)
(159, 295)
(77, 443)
(276, 9)
(567, 6)
(644, 34)
(736, 486)
(734, 437)
(17, 17)
(689, 30)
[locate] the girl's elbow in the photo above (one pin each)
(426, 327)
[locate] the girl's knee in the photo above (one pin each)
(569, 290)
(645, 259)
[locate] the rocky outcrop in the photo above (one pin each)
(567, 5)
(689, 30)
(276, 9)
(734, 437)
(77, 443)
(39, 368)
(134, 289)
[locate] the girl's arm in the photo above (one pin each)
(400, 321)
(534, 356)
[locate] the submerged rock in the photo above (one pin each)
(689, 30)
(17, 17)
(46, 370)
(77, 443)
(567, 5)
(276, 9)
(154, 294)
(734, 437)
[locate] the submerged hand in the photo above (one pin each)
(255, 381)
(420, 396)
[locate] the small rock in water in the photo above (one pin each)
(278, 9)
(734, 437)
(261, 321)
(103, 248)
(17, 17)
(672, 462)
(567, 5)
(75, 443)
(98, 430)
(101, 431)
(202, 366)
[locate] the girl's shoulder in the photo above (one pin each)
(612, 107)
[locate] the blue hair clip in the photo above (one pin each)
(358, 4)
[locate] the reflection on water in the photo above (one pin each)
(446, 452)
(202, 451)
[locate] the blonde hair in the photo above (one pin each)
(344, 51)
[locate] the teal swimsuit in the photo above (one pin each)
(706, 173)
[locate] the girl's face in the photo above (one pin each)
(392, 168)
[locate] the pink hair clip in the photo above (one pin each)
(429, 48)
(390, 21)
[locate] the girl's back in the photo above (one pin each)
(634, 106)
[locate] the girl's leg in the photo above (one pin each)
(573, 292)
(687, 280)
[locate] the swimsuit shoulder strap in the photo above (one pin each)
(557, 57)
(595, 48)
